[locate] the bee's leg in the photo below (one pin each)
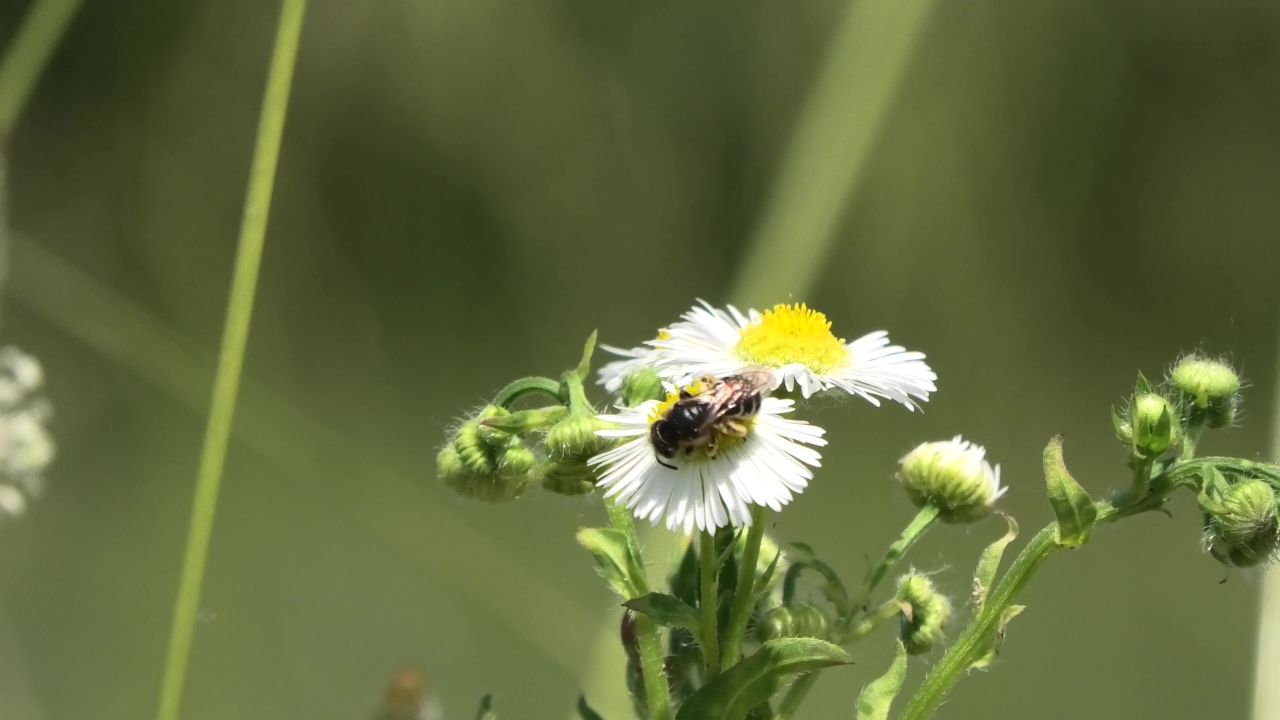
(658, 457)
(712, 447)
(733, 428)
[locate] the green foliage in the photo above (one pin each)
(584, 710)
(485, 711)
(733, 694)
(667, 611)
(1072, 506)
(989, 563)
(614, 559)
(876, 698)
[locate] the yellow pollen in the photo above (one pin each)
(663, 334)
(789, 334)
(662, 408)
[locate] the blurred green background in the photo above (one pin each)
(1057, 195)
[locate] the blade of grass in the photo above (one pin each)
(235, 336)
(25, 59)
(827, 154)
(1266, 693)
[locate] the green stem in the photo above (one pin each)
(975, 641)
(656, 691)
(887, 611)
(914, 530)
(709, 568)
(740, 610)
(231, 356)
(517, 389)
(29, 53)
(1191, 438)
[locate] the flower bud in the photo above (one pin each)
(1153, 425)
(925, 613)
(574, 438)
(776, 623)
(640, 386)
(1243, 525)
(566, 478)
(1212, 385)
(953, 476)
(485, 463)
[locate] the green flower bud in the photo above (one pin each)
(640, 386)
(1243, 527)
(1212, 386)
(1153, 424)
(810, 622)
(924, 615)
(953, 476)
(485, 463)
(566, 477)
(776, 623)
(574, 438)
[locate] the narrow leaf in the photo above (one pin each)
(584, 710)
(1143, 385)
(804, 558)
(997, 641)
(877, 696)
(762, 584)
(1073, 507)
(668, 611)
(486, 709)
(733, 694)
(1214, 485)
(614, 560)
(989, 563)
(588, 348)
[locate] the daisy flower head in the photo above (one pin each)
(796, 344)
(712, 480)
(954, 476)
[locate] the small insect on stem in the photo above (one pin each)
(695, 422)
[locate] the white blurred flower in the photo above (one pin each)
(796, 344)
(26, 447)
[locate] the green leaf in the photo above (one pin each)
(989, 563)
(614, 560)
(1211, 490)
(1073, 507)
(486, 709)
(997, 640)
(877, 696)
(584, 710)
(668, 611)
(753, 681)
(584, 365)
(762, 584)
(1143, 386)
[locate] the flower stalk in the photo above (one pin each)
(709, 569)
(740, 609)
(231, 357)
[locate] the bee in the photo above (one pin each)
(696, 421)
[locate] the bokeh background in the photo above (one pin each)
(1051, 196)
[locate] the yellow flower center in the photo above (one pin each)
(789, 334)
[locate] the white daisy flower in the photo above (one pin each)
(796, 344)
(705, 491)
(953, 475)
(614, 374)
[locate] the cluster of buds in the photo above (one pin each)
(496, 453)
(1199, 392)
